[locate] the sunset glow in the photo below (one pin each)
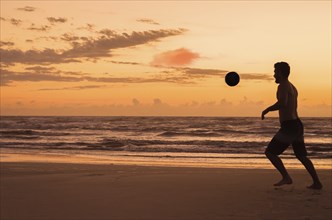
(160, 57)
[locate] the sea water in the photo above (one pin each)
(197, 141)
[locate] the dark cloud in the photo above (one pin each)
(47, 56)
(39, 69)
(135, 102)
(15, 22)
(256, 76)
(197, 73)
(6, 43)
(48, 38)
(42, 73)
(54, 20)
(88, 27)
(69, 37)
(101, 46)
(107, 32)
(181, 76)
(42, 28)
(74, 88)
(148, 21)
(27, 9)
(8, 77)
(126, 63)
(86, 47)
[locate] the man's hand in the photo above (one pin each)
(264, 113)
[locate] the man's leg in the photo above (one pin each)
(278, 164)
(301, 154)
(311, 170)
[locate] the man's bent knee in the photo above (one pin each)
(269, 153)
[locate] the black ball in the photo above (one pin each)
(232, 78)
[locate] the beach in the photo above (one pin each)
(137, 168)
(64, 190)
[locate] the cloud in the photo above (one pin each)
(48, 73)
(256, 76)
(54, 20)
(8, 77)
(148, 21)
(69, 37)
(225, 102)
(27, 9)
(46, 56)
(248, 102)
(98, 47)
(40, 69)
(107, 32)
(123, 62)
(74, 88)
(42, 28)
(178, 57)
(88, 27)
(157, 101)
(135, 102)
(101, 46)
(6, 43)
(199, 73)
(15, 22)
(41, 73)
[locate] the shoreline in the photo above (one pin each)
(127, 192)
(149, 159)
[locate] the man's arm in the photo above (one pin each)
(282, 101)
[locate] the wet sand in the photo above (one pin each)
(106, 191)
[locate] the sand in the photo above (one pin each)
(106, 191)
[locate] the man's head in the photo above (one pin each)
(281, 71)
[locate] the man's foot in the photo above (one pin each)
(317, 185)
(284, 181)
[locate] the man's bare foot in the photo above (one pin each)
(284, 181)
(317, 185)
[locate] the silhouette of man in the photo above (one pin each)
(291, 131)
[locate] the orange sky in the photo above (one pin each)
(161, 58)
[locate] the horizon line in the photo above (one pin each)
(166, 116)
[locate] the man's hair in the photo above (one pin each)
(283, 67)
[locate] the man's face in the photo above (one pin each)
(277, 75)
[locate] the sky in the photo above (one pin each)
(162, 58)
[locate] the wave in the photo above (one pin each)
(319, 150)
(155, 134)
(202, 133)
(30, 134)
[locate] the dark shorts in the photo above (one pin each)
(290, 133)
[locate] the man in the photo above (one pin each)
(291, 131)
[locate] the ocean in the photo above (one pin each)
(199, 141)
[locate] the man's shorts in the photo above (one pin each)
(290, 133)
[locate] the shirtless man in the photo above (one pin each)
(291, 131)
